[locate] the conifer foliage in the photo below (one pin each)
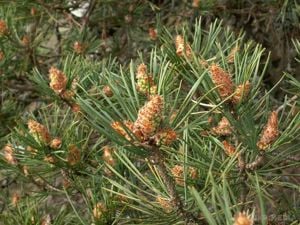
(185, 134)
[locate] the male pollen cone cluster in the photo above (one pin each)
(149, 116)
(182, 47)
(223, 128)
(8, 154)
(147, 124)
(164, 203)
(58, 80)
(145, 83)
(222, 80)
(178, 174)
(228, 148)
(74, 155)
(39, 131)
(270, 132)
(226, 87)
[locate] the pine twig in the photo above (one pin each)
(158, 160)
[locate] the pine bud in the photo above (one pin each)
(73, 156)
(98, 210)
(33, 11)
(107, 91)
(196, 3)
(15, 199)
(223, 128)
(230, 57)
(152, 33)
(182, 48)
(119, 128)
(75, 108)
(145, 83)
(165, 137)
(270, 132)
(78, 47)
(241, 92)
(149, 116)
(55, 143)
(58, 80)
(222, 80)
(242, 218)
(3, 28)
(8, 154)
(39, 131)
(25, 171)
(228, 148)
(50, 159)
(164, 203)
(107, 155)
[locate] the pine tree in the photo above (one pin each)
(184, 134)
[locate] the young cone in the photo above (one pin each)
(182, 48)
(8, 154)
(39, 131)
(58, 80)
(149, 117)
(228, 148)
(164, 203)
(241, 92)
(243, 218)
(222, 80)
(145, 83)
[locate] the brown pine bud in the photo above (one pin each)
(270, 132)
(182, 47)
(107, 155)
(152, 33)
(149, 116)
(107, 91)
(165, 137)
(230, 57)
(2, 56)
(222, 80)
(193, 173)
(228, 148)
(15, 199)
(98, 210)
(46, 220)
(78, 47)
(241, 92)
(75, 108)
(9, 155)
(164, 203)
(74, 155)
(3, 28)
(25, 41)
(55, 143)
(58, 80)
(223, 128)
(39, 131)
(242, 218)
(177, 172)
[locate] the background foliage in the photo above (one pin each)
(79, 169)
